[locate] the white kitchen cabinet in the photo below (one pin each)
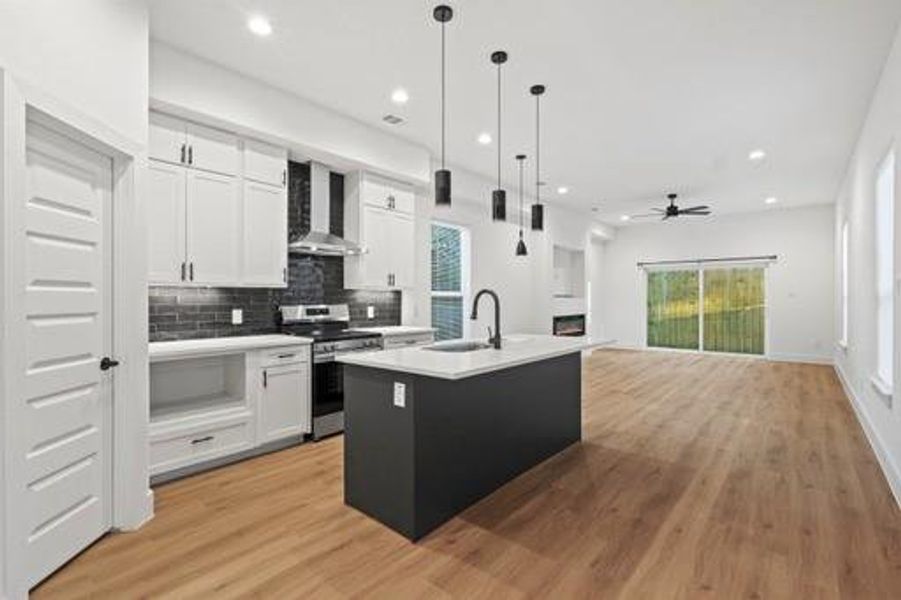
(177, 141)
(264, 163)
(213, 228)
(212, 221)
(285, 401)
(166, 223)
(265, 235)
(378, 216)
(167, 139)
(211, 149)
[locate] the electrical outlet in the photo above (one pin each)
(400, 394)
(370, 312)
(237, 316)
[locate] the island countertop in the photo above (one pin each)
(516, 349)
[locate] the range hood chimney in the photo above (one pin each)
(320, 241)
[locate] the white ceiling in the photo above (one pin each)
(644, 96)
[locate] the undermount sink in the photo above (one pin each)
(464, 346)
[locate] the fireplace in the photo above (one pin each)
(569, 325)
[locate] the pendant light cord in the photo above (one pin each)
(443, 113)
(498, 126)
(520, 198)
(537, 150)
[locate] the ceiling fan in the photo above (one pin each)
(674, 211)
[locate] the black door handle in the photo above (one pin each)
(107, 363)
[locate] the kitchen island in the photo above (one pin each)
(429, 432)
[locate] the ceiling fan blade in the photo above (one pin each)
(659, 210)
(644, 216)
(694, 208)
(696, 213)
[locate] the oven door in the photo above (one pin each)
(328, 387)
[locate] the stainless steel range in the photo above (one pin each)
(328, 325)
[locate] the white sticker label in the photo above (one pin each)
(400, 394)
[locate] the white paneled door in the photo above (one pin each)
(63, 419)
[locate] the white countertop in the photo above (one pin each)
(516, 349)
(160, 351)
(393, 330)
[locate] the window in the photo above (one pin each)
(843, 341)
(731, 317)
(885, 219)
(673, 309)
(450, 274)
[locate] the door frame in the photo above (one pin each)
(131, 503)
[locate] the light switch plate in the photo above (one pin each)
(370, 312)
(237, 316)
(400, 394)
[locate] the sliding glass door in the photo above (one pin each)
(673, 309)
(734, 310)
(731, 318)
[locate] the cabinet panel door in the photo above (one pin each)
(166, 138)
(285, 402)
(265, 164)
(213, 228)
(265, 235)
(377, 241)
(165, 222)
(212, 150)
(402, 244)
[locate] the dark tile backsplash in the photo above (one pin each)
(178, 313)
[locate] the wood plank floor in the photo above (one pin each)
(698, 477)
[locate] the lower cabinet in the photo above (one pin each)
(207, 409)
(281, 414)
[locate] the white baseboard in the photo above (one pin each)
(801, 358)
(889, 469)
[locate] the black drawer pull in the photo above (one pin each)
(286, 355)
(206, 438)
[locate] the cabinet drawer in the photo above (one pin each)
(388, 197)
(284, 356)
(413, 339)
(181, 450)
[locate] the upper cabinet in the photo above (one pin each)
(265, 164)
(212, 222)
(378, 215)
(181, 142)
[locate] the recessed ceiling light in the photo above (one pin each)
(772, 200)
(562, 190)
(484, 138)
(756, 155)
(259, 25)
(625, 218)
(400, 96)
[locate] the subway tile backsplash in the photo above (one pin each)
(178, 313)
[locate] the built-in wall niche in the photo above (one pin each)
(569, 273)
(196, 386)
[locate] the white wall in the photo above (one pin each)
(191, 86)
(800, 283)
(856, 205)
(91, 54)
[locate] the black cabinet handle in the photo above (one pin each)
(190, 155)
(191, 270)
(107, 363)
(182, 160)
(265, 379)
(206, 438)
(284, 177)
(183, 269)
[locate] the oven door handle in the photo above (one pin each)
(323, 358)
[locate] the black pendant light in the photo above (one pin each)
(443, 14)
(520, 245)
(537, 208)
(499, 195)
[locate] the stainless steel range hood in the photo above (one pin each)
(319, 241)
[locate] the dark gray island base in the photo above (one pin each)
(455, 440)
